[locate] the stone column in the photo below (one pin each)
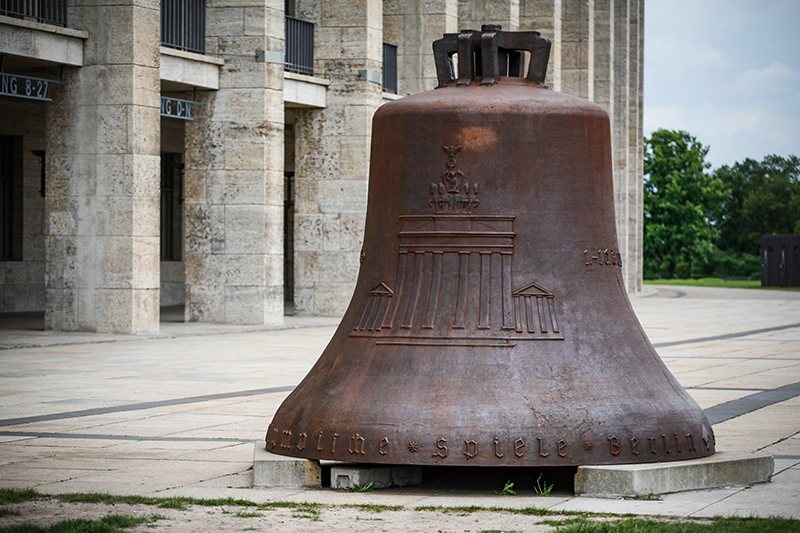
(473, 13)
(604, 55)
(412, 26)
(332, 154)
(234, 173)
(102, 203)
(636, 136)
(620, 123)
(544, 16)
(577, 48)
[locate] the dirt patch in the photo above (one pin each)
(306, 519)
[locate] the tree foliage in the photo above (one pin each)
(698, 223)
(681, 202)
(764, 198)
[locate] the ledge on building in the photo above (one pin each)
(182, 70)
(301, 91)
(41, 42)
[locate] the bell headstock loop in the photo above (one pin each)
(490, 53)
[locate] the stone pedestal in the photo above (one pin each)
(270, 470)
(723, 469)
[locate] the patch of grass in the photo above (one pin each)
(369, 519)
(648, 497)
(8, 511)
(508, 489)
(542, 488)
(362, 488)
(718, 282)
(717, 525)
(248, 514)
(308, 511)
(180, 503)
(17, 495)
(372, 507)
(107, 524)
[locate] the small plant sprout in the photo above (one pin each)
(508, 490)
(542, 488)
(362, 488)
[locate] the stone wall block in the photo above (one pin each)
(358, 120)
(305, 196)
(245, 155)
(240, 76)
(352, 232)
(146, 262)
(146, 175)
(146, 311)
(113, 310)
(199, 230)
(145, 133)
(194, 186)
(66, 303)
(245, 229)
(242, 269)
(308, 231)
(342, 196)
(146, 49)
(260, 22)
(113, 123)
(306, 265)
(327, 42)
(273, 217)
(304, 302)
(117, 254)
(224, 21)
(115, 216)
(331, 224)
(205, 303)
(273, 265)
(331, 299)
(245, 187)
(344, 14)
(146, 217)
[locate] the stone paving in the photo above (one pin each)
(178, 412)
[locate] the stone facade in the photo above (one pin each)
(133, 211)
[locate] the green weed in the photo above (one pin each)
(508, 489)
(362, 488)
(542, 488)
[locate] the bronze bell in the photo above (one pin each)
(489, 324)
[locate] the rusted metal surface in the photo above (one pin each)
(489, 324)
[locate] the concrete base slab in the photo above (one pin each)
(270, 470)
(723, 469)
(345, 476)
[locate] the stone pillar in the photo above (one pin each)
(577, 48)
(412, 26)
(604, 55)
(636, 136)
(102, 203)
(473, 13)
(544, 16)
(332, 154)
(234, 173)
(620, 138)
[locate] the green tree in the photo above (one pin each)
(763, 198)
(681, 201)
(773, 206)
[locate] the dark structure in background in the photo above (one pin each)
(780, 260)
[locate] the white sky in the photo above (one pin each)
(726, 71)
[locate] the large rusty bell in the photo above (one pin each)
(489, 324)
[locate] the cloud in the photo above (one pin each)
(776, 78)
